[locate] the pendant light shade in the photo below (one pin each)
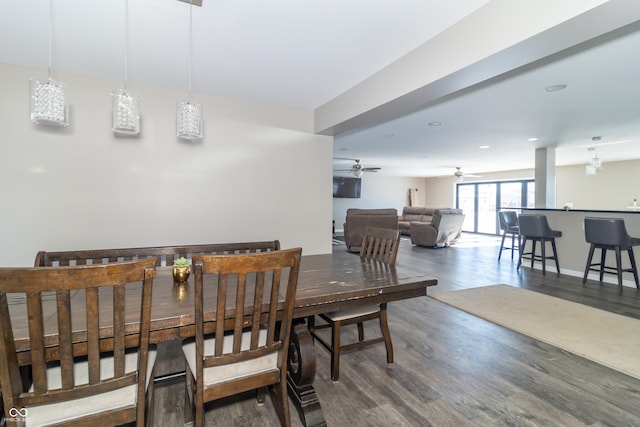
(125, 113)
(125, 107)
(189, 114)
(48, 98)
(48, 102)
(189, 120)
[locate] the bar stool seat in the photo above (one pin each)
(609, 234)
(509, 227)
(536, 228)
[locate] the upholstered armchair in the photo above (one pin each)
(444, 229)
(358, 219)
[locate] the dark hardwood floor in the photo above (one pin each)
(454, 369)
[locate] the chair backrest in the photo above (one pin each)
(606, 231)
(508, 219)
(380, 244)
(358, 219)
(89, 305)
(534, 225)
(164, 255)
(253, 292)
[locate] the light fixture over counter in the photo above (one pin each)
(596, 162)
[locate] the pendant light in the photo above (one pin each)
(48, 97)
(188, 114)
(125, 107)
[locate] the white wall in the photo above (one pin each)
(379, 192)
(258, 174)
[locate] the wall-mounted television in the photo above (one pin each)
(346, 187)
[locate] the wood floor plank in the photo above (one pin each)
(452, 368)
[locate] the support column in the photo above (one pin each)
(545, 176)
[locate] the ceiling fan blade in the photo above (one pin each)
(371, 169)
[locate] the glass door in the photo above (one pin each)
(486, 211)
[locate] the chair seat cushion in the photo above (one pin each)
(219, 374)
(66, 411)
(337, 316)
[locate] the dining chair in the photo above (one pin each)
(164, 255)
(380, 245)
(251, 297)
(96, 367)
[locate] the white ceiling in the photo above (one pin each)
(306, 53)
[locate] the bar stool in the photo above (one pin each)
(509, 226)
(609, 234)
(536, 228)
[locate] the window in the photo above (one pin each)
(481, 202)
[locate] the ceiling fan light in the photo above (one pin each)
(357, 173)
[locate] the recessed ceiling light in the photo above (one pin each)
(435, 123)
(532, 139)
(554, 88)
(484, 146)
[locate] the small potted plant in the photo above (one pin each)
(181, 270)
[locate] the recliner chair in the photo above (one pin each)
(444, 229)
(358, 219)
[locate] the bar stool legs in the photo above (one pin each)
(602, 268)
(543, 253)
(609, 234)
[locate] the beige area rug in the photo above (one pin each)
(606, 338)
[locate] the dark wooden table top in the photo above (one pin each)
(326, 283)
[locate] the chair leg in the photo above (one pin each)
(533, 251)
(260, 395)
(634, 269)
(335, 351)
(523, 242)
(592, 248)
(384, 327)
(513, 239)
(543, 247)
(360, 331)
(189, 398)
(603, 259)
(619, 268)
(555, 255)
(502, 246)
(281, 401)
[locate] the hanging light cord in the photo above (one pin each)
(126, 43)
(50, 34)
(190, 46)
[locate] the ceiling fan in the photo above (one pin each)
(460, 175)
(357, 169)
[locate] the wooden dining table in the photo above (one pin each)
(326, 283)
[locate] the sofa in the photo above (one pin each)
(444, 229)
(413, 213)
(358, 219)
